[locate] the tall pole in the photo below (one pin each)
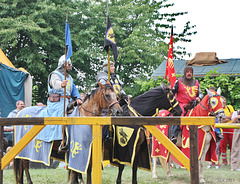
(63, 147)
(108, 49)
(65, 73)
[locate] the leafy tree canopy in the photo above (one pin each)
(32, 35)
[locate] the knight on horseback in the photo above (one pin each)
(186, 89)
(55, 103)
(102, 77)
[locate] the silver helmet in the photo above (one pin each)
(105, 65)
(61, 62)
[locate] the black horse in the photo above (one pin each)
(144, 105)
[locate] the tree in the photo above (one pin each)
(32, 34)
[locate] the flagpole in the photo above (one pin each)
(63, 148)
(110, 126)
(65, 73)
(108, 49)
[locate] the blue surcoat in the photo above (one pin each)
(55, 109)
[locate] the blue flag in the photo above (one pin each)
(68, 41)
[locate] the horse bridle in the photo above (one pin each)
(172, 103)
(109, 106)
(211, 113)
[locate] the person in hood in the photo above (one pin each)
(186, 89)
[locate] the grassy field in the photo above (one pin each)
(109, 175)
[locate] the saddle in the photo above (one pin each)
(71, 106)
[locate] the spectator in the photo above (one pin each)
(40, 104)
(235, 153)
(227, 133)
(8, 130)
(20, 106)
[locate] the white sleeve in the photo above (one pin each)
(55, 81)
(234, 115)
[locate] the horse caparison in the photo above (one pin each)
(103, 97)
(210, 105)
(160, 97)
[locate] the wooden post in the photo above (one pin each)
(194, 162)
(97, 154)
(1, 152)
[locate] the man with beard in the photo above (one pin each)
(186, 89)
(55, 103)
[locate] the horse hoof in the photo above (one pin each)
(202, 181)
(154, 176)
(170, 175)
(81, 182)
(63, 149)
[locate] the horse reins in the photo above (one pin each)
(211, 113)
(172, 105)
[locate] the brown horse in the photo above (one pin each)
(103, 97)
(146, 104)
(211, 105)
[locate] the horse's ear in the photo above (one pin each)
(101, 85)
(163, 85)
(109, 83)
(209, 93)
(219, 91)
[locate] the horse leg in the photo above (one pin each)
(73, 177)
(154, 172)
(141, 139)
(89, 171)
(203, 156)
(26, 168)
(134, 172)
(120, 170)
(18, 170)
(166, 166)
(80, 178)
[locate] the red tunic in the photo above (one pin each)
(186, 93)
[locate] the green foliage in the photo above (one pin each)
(229, 85)
(32, 36)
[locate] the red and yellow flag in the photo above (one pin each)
(170, 71)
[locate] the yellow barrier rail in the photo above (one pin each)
(228, 125)
(97, 122)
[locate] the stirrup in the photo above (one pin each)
(63, 149)
(174, 140)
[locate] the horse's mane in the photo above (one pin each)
(94, 91)
(199, 110)
(147, 103)
(192, 104)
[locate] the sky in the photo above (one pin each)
(217, 23)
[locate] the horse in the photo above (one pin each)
(210, 105)
(145, 105)
(103, 97)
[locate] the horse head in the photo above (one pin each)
(172, 103)
(109, 99)
(215, 105)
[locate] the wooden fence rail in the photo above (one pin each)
(97, 122)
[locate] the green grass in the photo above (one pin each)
(109, 175)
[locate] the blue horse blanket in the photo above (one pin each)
(79, 139)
